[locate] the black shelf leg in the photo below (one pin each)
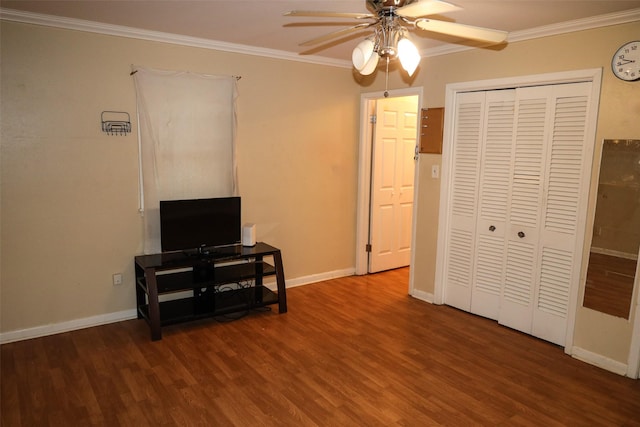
(258, 280)
(282, 291)
(154, 305)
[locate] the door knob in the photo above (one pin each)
(520, 234)
(492, 228)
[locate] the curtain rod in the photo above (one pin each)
(135, 71)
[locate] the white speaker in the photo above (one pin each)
(249, 235)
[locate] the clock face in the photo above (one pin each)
(626, 62)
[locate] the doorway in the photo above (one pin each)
(366, 228)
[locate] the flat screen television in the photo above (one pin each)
(199, 223)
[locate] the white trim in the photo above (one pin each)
(414, 214)
(105, 319)
(364, 176)
(559, 28)
(616, 18)
(575, 76)
(157, 36)
(71, 325)
(445, 196)
(633, 361)
(582, 234)
(422, 296)
(364, 182)
(599, 360)
(313, 278)
(633, 366)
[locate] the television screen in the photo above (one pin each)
(196, 223)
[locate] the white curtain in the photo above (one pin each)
(186, 131)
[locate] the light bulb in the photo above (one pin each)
(362, 54)
(409, 56)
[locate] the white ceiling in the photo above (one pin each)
(260, 24)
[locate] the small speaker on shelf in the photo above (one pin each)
(249, 234)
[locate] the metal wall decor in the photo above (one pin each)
(116, 122)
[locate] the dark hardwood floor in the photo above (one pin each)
(354, 351)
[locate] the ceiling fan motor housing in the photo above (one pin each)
(377, 6)
(388, 36)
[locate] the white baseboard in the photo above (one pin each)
(57, 328)
(314, 278)
(423, 296)
(104, 319)
(71, 325)
(599, 361)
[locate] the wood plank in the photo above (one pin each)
(350, 351)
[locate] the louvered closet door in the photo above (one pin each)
(480, 188)
(547, 188)
(525, 198)
(467, 144)
(566, 187)
(493, 196)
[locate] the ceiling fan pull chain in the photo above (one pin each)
(386, 80)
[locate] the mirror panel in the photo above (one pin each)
(616, 230)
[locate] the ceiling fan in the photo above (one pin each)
(390, 38)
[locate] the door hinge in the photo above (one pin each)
(373, 119)
(368, 247)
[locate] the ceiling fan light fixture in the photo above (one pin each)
(371, 64)
(362, 54)
(389, 40)
(409, 55)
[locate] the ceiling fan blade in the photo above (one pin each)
(321, 14)
(462, 30)
(335, 34)
(425, 8)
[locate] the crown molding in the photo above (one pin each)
(157, 36)
(599, 21)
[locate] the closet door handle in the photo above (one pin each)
(492, 228)
(520, 234)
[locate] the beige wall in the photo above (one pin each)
(70, 192)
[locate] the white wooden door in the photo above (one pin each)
(517, 184)
(392, 182)
(493, 196)
(551, 161)
(467, 146)
(480, 187)
(526, 191)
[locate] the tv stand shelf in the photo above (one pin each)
(228, 280)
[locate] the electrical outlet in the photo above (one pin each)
(117, 279)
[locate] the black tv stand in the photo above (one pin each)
(213, 251)
(228, 281)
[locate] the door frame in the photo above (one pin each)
(367, 102)
(633, 362)
(593, 75)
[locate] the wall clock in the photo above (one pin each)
(626, 62)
